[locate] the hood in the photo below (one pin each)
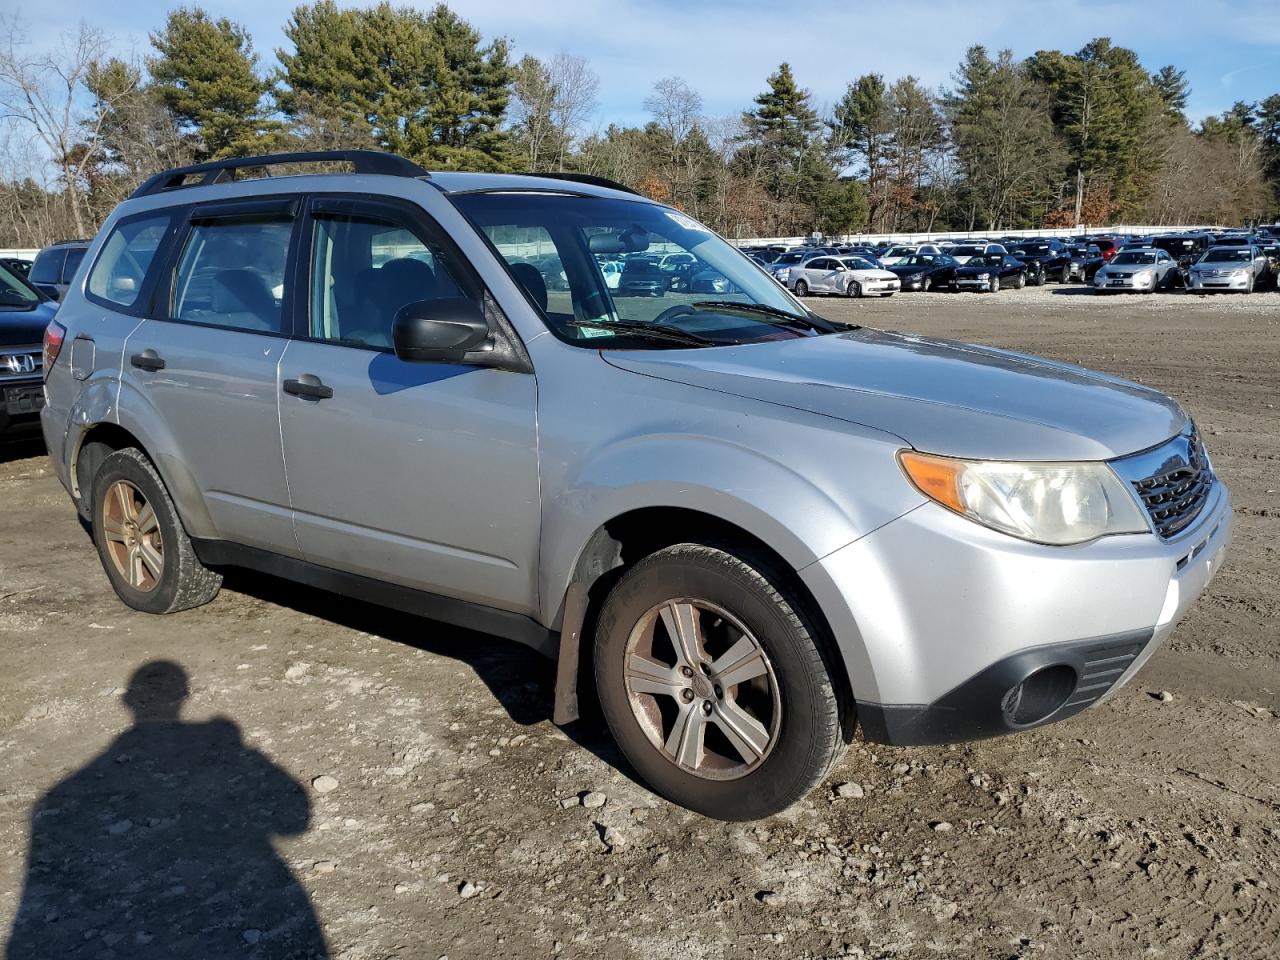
(971, 268)
(873, 274)
(20, 328)
(909, 269)
(938, 396)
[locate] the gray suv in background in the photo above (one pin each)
(745, 528)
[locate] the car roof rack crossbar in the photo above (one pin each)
(222, 171)
(586, 178)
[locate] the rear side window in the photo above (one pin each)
(74, 257)
(48, 265)
(232, 272)
(121, 268)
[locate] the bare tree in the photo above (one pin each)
(45, 92)
(576, 88)
(550, 107)
(676, 109)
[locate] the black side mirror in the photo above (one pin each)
(439, 331)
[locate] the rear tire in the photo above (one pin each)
(144, 549)
(734, 608)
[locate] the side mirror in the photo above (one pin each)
(438, 331)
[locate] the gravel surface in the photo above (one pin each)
(347, 782)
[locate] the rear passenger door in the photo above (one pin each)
(420, 474)
(206, 364)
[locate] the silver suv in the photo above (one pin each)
(753, 527)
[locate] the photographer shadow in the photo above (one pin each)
(161, 846)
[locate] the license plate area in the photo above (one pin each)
(20, 400)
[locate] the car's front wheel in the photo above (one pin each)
(802, 288)
(854, 289)
(994, 286)
(144, 549)
(713, 684)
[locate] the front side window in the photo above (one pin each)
(48, 265)
(231, 274)
(719, 296)
(121, 268)
(364, 269)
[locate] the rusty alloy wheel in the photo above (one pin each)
(132, 533)
(702, 689)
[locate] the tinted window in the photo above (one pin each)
(74, 257)
(364, 269)
(822, 263)
(231, 274)
(14, 294)
(48, 265)
(126, 256)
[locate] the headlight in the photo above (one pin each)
(1054, 503)
(1144, 275)
(1239, 274)
(984, 276)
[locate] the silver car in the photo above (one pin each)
(849, 276)
(755, 529)
(1141, 270)
(1231, 268)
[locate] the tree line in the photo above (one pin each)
(1055, 139)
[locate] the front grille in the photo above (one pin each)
(21, 364)
(1177, 491)
(1104, 664)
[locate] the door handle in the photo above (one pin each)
(309, 387)
(147, 360)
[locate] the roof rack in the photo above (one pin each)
(584, 178)
(221, 171)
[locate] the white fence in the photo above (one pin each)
(19, 253)
(859, 238)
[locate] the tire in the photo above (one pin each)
(802, 288)
(130, 537)
(853, 289)
(1022, 281)
(1065, 275)
(926, 284)
(994, 287)
(797, 738)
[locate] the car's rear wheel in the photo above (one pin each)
(802, 288)
(144, 549)
(713, 684)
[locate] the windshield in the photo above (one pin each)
(986, 260)
(966, 251)
(1227, 255)
(1133, 256)
(918, 260)
(1038, 250)
(900, 251)
(857, 263)
(14, 294)
(719, 296)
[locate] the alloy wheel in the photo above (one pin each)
(702, 689)
(132, 533)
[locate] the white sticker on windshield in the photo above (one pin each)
(687, 222)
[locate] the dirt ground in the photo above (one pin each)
(345, 782)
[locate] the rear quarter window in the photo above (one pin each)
(122, 268)
(47, 267)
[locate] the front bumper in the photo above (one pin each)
(20, 404)
(971, 283)
(870, 287)
(1122, 284)
(939, 618)
(1209, 284)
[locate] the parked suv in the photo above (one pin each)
(54, 266)
(756, 527)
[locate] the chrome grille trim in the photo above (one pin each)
(21, 363)
(1172, 481)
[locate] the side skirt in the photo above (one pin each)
(458, 613)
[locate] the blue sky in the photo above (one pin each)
(1229, 48)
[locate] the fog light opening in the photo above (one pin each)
(1038, 695)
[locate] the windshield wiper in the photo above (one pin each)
(641, 328)
(790, 319)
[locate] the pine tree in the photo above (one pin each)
(205, 73)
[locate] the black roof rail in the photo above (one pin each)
(584, 178)
(221, 171)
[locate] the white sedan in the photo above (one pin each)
(850, 276)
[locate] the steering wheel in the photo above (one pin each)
(593, 305)
(679, 310)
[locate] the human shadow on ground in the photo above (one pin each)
(161, 846)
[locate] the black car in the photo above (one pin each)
(1086, 260)
(17, 266)
(641, 277)
(1186, 248)
(55, 265)
(1045, 259)
(990, 272)
(925, 271)
(24, 314)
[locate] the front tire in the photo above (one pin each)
(144, 549)
(713, 684)
(854, 289)
(994, 286)
(1022, 281)
(802, 288)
